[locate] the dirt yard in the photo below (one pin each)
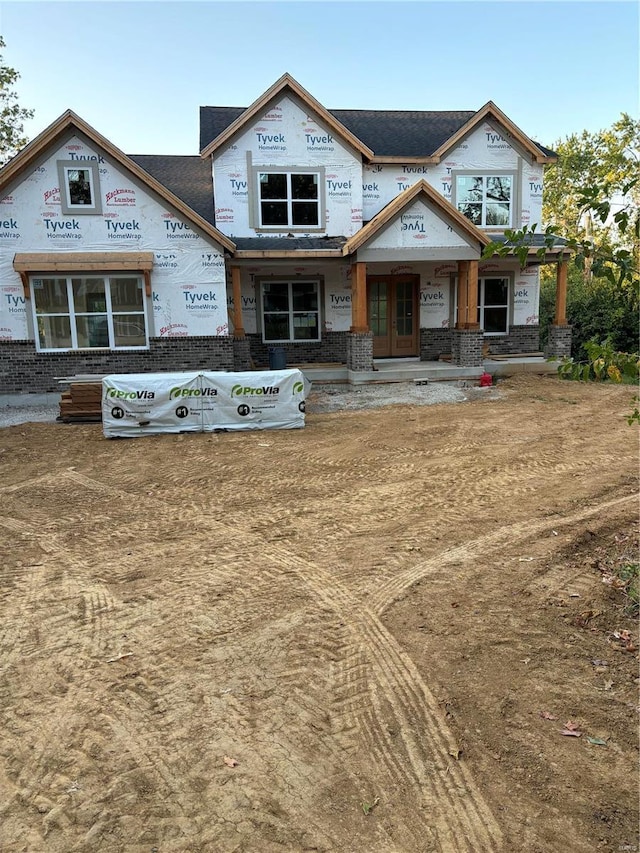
(366, 636)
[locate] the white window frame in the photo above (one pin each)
(319, 171)
(481, 305)
(72, 313)
(290, 312)
(68, 208)
(485, 175)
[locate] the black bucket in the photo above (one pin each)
(277, 358)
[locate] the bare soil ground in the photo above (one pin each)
(367, 635)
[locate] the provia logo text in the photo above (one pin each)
(192, 392)
(247, 390)
(130, 395)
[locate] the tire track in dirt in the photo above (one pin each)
(400, 685)
(461, 823)
(387, 592)
(457, 814)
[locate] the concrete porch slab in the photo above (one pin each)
(389, 370)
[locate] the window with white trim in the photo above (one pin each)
(289, 199)
(79, 187)
(493, 305)
(290, 311)
(89, 312)
(485, 199)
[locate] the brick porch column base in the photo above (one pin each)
(559, 342)
(241, 354)
(360, 350)
(466, 347)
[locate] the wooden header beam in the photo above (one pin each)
(70, 262)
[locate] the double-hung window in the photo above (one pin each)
(290, 311)
(486, 199)
(493, 305)
(289, 199)
(89, 312)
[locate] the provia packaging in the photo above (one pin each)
(152, 403)
(269, 399)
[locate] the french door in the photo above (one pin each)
(393, 315)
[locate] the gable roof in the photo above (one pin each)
(70, 122)
(400, 202)
(390, 135)
(491, 111)
(285, 85)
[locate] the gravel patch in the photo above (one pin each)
(324, 398)
(26, 408)
(338, 398)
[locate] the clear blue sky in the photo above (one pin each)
(138, 72)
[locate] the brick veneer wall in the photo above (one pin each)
(437, 342)
(519, 339)
(22, 369)
(332, 348)
(434, 343)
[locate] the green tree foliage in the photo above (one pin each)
(12, 115)
(592, 192)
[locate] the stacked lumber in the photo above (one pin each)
(81, 403)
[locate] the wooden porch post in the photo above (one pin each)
(463, 294)
(560, 318)
(472, 296)
(359, 298)
(467, 316)
(238, 328)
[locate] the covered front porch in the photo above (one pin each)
(408, 295)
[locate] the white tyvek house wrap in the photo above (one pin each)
(286, 137)
(188, 276)
(417, 226)
(531, 208)
(526, 297)
(135, 405)
(484, 149)
(337, 299)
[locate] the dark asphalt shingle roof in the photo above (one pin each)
(402, 133)
(189, 178)
(535, 241)
(388, 133)
(282, 243)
